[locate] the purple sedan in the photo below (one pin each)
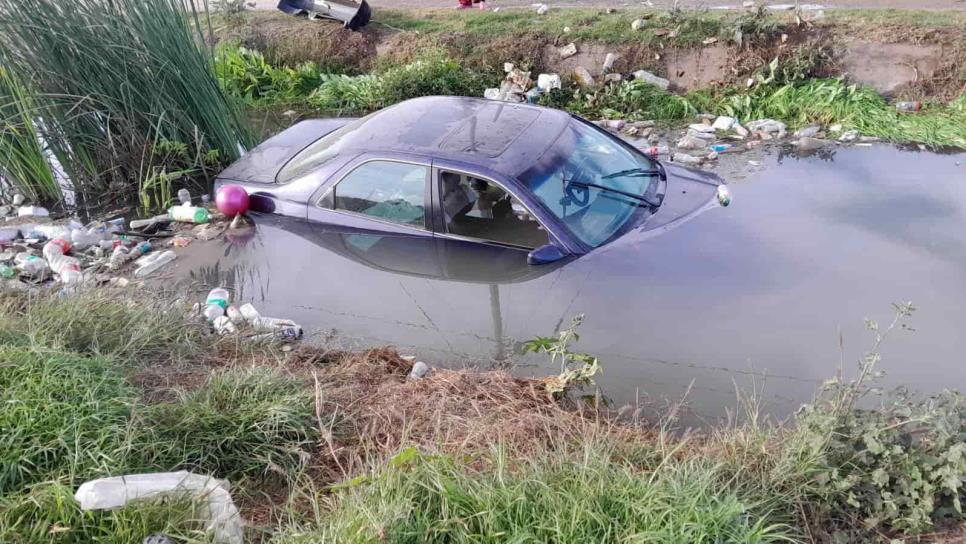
(483, 172)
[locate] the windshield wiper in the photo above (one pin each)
(634, 172)
(605, 188)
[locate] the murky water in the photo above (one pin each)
(754, 295)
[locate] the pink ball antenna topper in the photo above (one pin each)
(232, 200)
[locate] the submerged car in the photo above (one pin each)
(481, 171)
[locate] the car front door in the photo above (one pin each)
(377, 210)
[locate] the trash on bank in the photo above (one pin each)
(541, 8)
(352, 15)
(189, 214)
(684, 158)
(32, 211)
(154, 262)
(637, 24)
(419, 371)
(909, 107)
(548, 82)
(567, 51)
(224, 521)
(648, 77)
(807, 143)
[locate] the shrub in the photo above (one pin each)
(433, 75)
(246, 74)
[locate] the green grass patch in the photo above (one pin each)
(239, 425)
(586, 497)
(684, 28)
(62, 415)
(101, 323)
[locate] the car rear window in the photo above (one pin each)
(317, 153)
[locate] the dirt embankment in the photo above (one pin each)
(902, 56)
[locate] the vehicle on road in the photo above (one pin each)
(481, 171)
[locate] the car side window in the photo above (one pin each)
(476, 208)
(386, 190)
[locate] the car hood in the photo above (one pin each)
(261, 164)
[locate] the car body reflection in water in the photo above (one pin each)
(758, 293)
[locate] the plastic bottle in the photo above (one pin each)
(656, 150)
(219, 296)
(215, 304)
(270, 324)
(223, 325)
(68, 268)
(184, 196)
(31, 265)
(118, 258)
(249, 312)
(188, 214)
(159, 260)
(420, 369)
(139, 224)
(234, 314)
(909, 106)
(205, 199)
(720, 148)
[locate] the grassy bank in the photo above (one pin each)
(791, 65)
(324, 446)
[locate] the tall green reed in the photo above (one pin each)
(110, 78)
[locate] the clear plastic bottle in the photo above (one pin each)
(159, 260)
(216, 303)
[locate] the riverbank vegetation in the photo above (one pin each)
(327, 446)
(96, 87)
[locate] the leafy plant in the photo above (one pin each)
(899, 466)
(246, 74)
(576, 369)
(632, 100)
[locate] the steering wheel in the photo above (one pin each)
(572, 191)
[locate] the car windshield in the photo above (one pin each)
(591, 182)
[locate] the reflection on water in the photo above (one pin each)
(758, 292)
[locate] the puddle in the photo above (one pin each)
(754, 295)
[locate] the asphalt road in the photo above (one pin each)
(881, 4)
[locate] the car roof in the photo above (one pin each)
(502, 136)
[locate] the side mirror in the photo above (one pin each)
(545, 254)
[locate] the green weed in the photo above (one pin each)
(61, 415)
(239, 425)
(586, 497)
